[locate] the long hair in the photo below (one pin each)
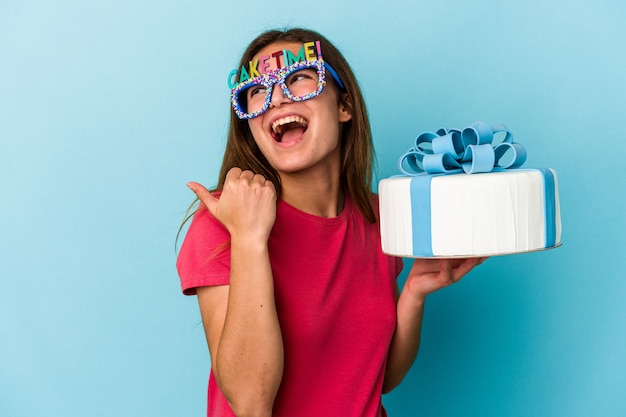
(357, 150)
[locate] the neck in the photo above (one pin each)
(319, 195)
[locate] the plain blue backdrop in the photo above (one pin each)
(107, 109)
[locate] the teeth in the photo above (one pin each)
(278, 124)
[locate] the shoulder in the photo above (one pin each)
(204, 227)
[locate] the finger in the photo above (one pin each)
(247, 175)
(262, 183)
(447, 271)
(465, 267)
(445, 266)
(233, 174)
(269, 185)
(259, 179)
(204, 195)
(425, 265)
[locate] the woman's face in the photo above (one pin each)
(297, 137)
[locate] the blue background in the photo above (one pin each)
(107, 109)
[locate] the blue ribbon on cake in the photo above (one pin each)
(470, 150)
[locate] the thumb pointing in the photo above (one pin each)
(204, 195)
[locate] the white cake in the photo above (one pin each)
(468, 215)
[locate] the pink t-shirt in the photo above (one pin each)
(334, 291)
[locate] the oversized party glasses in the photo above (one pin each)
(299, 82)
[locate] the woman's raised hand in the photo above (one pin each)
(247, 204)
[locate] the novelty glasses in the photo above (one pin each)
(299, 82)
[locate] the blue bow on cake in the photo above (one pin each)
(470, 150)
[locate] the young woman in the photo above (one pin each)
(301, 309)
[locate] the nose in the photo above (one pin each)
(278, 97)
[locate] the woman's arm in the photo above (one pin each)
(240, 320)
(426, 276)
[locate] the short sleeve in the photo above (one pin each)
(204, 257)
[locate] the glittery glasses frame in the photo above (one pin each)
(278, 76)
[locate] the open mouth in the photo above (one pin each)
(289, 128)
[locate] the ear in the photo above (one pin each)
(345, 108)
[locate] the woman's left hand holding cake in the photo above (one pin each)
(429, 275)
